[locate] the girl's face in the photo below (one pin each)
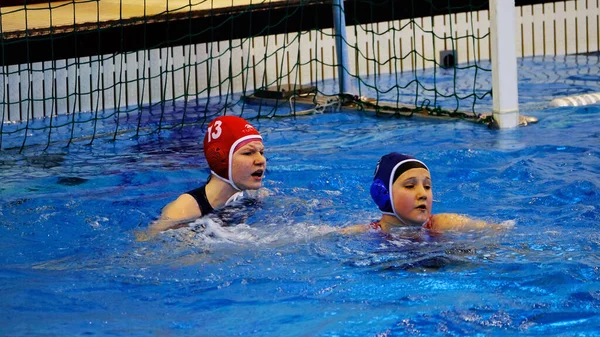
(413, 196)
(248, 166)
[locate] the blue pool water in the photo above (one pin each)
(70, 264)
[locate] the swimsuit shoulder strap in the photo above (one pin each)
(375, 225)
(200, 195)
(429, 223)
(237, 196)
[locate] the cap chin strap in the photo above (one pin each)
(228, 181)
(236, 196)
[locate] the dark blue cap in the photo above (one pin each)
(389, 168)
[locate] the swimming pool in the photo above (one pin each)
(71, 265)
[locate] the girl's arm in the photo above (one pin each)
(355, 229)
(452, 221)
(176, 214)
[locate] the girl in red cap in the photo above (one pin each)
(235, 154)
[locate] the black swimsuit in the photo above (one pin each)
(236, 210)
(200, 195)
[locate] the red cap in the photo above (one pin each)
(220, 142)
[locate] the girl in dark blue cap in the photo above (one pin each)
(402, 190)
